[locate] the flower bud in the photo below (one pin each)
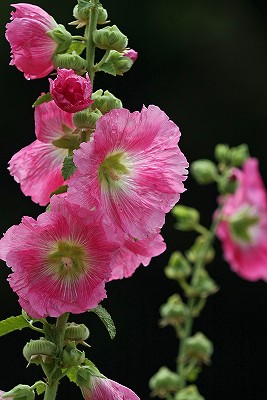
(118, 62)
(20, 392)
(76, 332)
(194, 251)
(189, 393)
(199, 348)
(110, 38)
(102, 15)
(38, 349)
(187, 217)
(205, 285)
(105, 102)
(71, 356)
(132, 54)
(70, 61)
(178, 267)
(86, 119)
(164, 382)
(204, 171)
(239, 154)
(81, 13)
(174, 311)
(62, 37)
(222, 153)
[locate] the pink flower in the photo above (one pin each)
(135, 252)
(6, 398)
(106, 389)
(243, 229)
(132, 54)
(60, 262)
(132, 170)
(70, 91)
(37, 167)
(32, 48)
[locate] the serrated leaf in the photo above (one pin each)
(105, 317)
(71, 374)
(13, 324)
(109, 68)
(44, 98)
(40, 387)
(68, 167)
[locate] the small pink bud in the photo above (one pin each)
(132, 54)
(71, 92)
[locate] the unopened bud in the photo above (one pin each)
(189, 393)
(76, 332)
(200, 247)
(102, 15)
(105, 102)
(86, 119)
(119, 63)
(178, 267)
(164, 382)
(110, 38)
(80, 13)
(187, 217)
(40, 349)
(20, 392)
(70, 61)
(205, 285)
(62, 37)
(174, 311)
(239, 154)
(204, 171)
(71, 356)
(222, 153)
(199, 348)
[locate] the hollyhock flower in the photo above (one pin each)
(132, 54)
(135, 252)
(243, 228)
(37, 167)
(61, 261)
(70, 91)
(132, 170)
(106, 389)
(31, 47)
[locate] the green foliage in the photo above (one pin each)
(105, 317)
(68, 167)
(13, 324)
(44, 98)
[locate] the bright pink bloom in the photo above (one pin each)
(31, 47)
(132, 54)
(106, 389)
(37, 167)
(243, 229)
(60, 262)
(70, 91)
(132, 170)
(135, 252)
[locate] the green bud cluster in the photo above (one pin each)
(70, 61)
(39, 350)
(20, 392)
(204, 171)
(178, 267)
(86, 119)
(164, 382)
(105, 102)
(110, 38)
(174, 311)
(187, 217)
(189, 393)
(199, 348)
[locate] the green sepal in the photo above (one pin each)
(109, 68)
(13, 324)
(68, 167)
(40, 387)
(84, 6)
(71, 374)
(105, 317)
(44, 98)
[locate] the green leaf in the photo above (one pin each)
(44, 98)
(105, 317)
(68, 167)
(77, 47)
(72, 372)
(40, 387)
(13, 324)
(109, 68)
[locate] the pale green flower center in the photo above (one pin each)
(67, 260)
(243, 225)
(113, 169)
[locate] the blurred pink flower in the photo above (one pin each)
(132, 54)
(70, 91)
(37, 167)
(106, 389)
(60, 262)
(243, 229)
(135, 252)
(6, 398)
(32, 48)
(132, 170)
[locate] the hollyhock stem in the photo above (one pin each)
(90, 47)
(192, 302)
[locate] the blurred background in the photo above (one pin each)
(204, 63)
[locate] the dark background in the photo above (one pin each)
(204, 63)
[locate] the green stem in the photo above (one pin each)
(98, 65)
(90, 46)
(187, 331)
(51, 391)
